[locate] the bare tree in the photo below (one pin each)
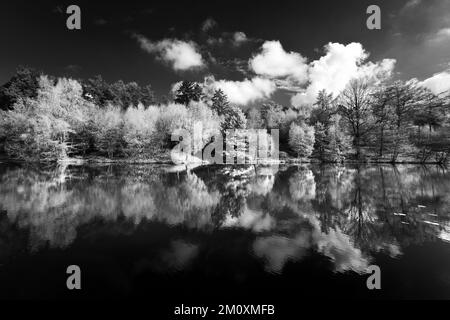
(355, 104)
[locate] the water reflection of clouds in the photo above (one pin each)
(179, 255)
(277, 250)
(256, 221)
(345, 214)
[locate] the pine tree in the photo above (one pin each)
(187, 92)
(324, 109)
(219, 102)
(321, 141)
(232, 116)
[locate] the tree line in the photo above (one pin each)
(44, 118)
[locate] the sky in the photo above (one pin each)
(284, 51)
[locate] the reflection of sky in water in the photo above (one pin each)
(344, 214)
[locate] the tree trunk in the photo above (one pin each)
(381, 142)
(357, 146)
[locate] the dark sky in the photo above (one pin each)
(34, 34)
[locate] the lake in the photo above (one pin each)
(226, 232)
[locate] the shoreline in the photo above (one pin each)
(291, 161)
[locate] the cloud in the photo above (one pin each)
(234, 64)
(337, 67)
(438, 83)
(340, 249)
(73, 68)
(235, 39)
(100, 22)
(332, 71)
(243, 92)
(274, 62)
(445, 32)
(277, 250)
(179, 255)
(208, 24)
(440, 36)
(239, 38)
(377, 71)
(411, 4)
(180, 54)
(255, 220)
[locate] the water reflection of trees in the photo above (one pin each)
(344, 213)
(389, 206)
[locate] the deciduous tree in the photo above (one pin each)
(301, 139)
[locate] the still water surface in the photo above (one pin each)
(219, 232)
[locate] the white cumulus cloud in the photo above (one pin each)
(337, 67)
(438, 83)
(245, 91)
(181, 55)
(274, 62)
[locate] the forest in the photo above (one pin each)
(44, 118)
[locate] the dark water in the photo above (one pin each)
(215, 234)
